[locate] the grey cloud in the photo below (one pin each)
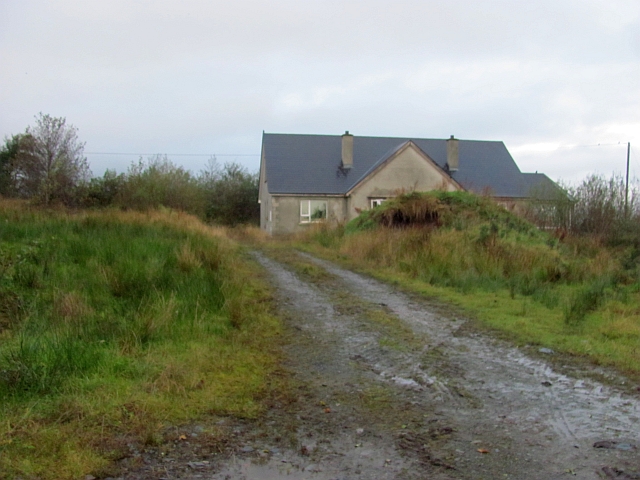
(209, 76)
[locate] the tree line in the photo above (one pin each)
(46, 164)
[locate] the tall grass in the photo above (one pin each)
(463, 241)
(153, 310)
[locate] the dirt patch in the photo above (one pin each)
(386, 387)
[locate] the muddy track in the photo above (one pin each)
(388, 387)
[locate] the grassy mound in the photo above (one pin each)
(464, 241)
(459, 210)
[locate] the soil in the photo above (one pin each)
(384, 385)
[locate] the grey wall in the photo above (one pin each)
(408, 170)
(286, 212)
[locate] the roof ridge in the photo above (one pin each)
(380, 137)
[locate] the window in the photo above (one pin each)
(377, 202)
(313, 211)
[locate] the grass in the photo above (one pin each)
(575, 296)
(116, 325)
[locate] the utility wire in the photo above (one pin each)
(257, 155)
(178, 154)
(595, 145)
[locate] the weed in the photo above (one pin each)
(41, 364)
(13, 307)
(188, 260)
(585, 300)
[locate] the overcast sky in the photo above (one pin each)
(550, 78)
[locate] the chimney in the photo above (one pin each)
(347, 150)
(453, 160)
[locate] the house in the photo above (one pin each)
(310, 178)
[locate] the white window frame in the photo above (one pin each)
(375, 202)
(306, 214)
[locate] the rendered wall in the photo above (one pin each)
(266, 212)
(264, 198)
(409, 170)
(285, 213)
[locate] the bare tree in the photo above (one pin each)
(51, 162)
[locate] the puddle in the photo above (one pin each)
(248, 470)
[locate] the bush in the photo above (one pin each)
(103, 192)
(600, 209)
(596, 207)
(160, 183)
(231, 195)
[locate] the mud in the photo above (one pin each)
(386, 386)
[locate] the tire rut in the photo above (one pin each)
(524, 401)
(385, 386)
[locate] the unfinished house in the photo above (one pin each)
(314, 178)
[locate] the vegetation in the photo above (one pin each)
(46, 165)
(115, 325)
(598, 207)
(224, 195)
(46, 162)
(8, 155)
(159, 183)
(574, 294)
(232, 194)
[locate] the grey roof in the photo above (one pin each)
(541, 187)
(310, 164)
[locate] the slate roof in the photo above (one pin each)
(310, 164)
(542, 187)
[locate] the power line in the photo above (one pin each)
(177, 154)
(594, 145)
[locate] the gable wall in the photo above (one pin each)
(264, 197)
(266, 212)
(409, 171)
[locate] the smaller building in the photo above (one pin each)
(311, 178)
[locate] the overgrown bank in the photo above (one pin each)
(116, 325)
(573, 295)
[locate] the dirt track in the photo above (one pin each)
(389, 387)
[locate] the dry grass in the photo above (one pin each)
(249, 235)
(188, 260)
(71, 308)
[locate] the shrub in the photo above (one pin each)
(160, 183)
(231, 194)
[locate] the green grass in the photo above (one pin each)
(574, 296)
(115, 325)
